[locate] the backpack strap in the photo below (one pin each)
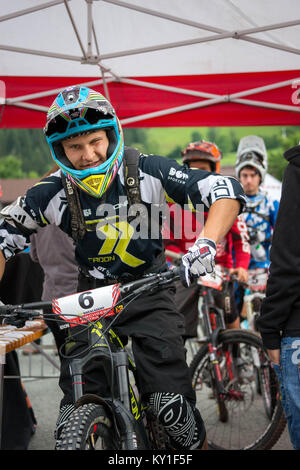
(77, 220)
(131, 175)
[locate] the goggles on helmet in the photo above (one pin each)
(252, 157)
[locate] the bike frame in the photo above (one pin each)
(125, 408)
(214, 323)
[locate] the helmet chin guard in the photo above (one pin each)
(78, 111)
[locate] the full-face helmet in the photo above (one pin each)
(78, 111)
(252, 152)
(202, 150)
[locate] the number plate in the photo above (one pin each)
(258, 279)
(82, 307)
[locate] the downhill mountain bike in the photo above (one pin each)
(122, 421)
(235, 384)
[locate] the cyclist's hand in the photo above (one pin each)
(274, 355)
(240, 273)
(199, 260)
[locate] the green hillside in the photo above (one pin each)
(168, 138)
(25, 153)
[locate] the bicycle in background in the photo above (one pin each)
(254, 293)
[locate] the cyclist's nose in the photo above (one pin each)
(88, 153)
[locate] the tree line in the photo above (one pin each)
(24, 153)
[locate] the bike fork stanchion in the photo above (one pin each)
(121, 362)
(76, 376)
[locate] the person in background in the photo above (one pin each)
(261, 210)
(279, 321)
(233, 250)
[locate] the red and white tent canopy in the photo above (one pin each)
(163, 63)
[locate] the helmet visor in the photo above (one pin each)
(80, 117)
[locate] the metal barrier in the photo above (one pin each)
(42, 364)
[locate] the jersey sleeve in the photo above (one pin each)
(273, 212)
(193, 189)
(37, 208)
(240, 243)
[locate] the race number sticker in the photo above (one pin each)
(79, 308)
(258, 279)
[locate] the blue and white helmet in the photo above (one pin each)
(252, 152)
(79, 110)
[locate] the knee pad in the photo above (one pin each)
(181, 422)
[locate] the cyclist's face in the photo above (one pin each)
(201, 165)
(250, 180)
(87, 151)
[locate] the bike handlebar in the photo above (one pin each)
(18, 314)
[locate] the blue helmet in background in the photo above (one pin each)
(76, 111)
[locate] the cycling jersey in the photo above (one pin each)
(114, 248)
(260, 215)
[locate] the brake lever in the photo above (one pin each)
(18, 316)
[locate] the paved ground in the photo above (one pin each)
(45, 395)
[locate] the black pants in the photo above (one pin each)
(156, 329)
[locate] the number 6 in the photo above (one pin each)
(85, 300)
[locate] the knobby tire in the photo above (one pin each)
(88, 428)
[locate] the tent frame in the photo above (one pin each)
(108, 76)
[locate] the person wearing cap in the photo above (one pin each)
(233, 250)
(279, 321)
(90, 199)
(261, 210)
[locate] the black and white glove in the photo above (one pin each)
(198, 261)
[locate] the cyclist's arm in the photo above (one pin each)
(221, 216)
(274, 355)
(2, 264)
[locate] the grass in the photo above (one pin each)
(168, 138)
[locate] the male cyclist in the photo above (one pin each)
(233, 250)
(88, 199)
(261, 210)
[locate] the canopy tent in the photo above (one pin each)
(191, 63)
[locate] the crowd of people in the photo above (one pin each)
(220, 219)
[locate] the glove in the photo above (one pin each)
(198, 261)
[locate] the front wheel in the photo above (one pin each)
(247, 425)
(89, 428)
